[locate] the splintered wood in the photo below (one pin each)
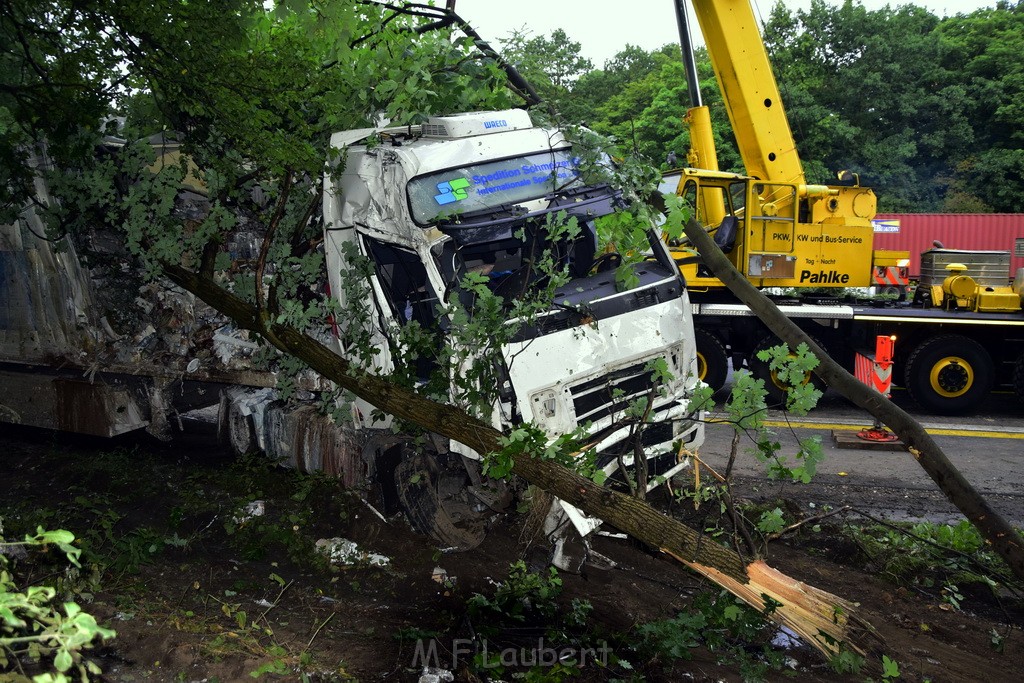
(823, 620)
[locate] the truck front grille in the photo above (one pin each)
(611, 393)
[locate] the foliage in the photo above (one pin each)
(721, 624)
(523, 595)
(931, 556)
(925, 109)
(792, 370)
(550, 63)
(34, 625)
(524, 610)
(254, 105)
(886, 93)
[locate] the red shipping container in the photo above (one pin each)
(915, 232)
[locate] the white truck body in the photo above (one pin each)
(510, 172)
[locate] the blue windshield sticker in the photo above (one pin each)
(499, 180)
(452, 191)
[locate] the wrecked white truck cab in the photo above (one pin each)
(90, 346)
(474, 193)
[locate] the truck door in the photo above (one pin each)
(771, 226)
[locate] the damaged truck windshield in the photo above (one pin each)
(491, 184)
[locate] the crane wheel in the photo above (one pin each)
(712, 361)
(778, 392)
(949, 374)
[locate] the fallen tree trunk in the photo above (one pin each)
(747, 580)
(1006, 541)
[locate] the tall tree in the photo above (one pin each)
(921, 107)
(552, 63)
(640, 100)
(986, 87)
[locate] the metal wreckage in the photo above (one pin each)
(95, 349)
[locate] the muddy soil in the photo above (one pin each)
(197, 592)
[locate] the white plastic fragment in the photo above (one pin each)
(441, 576)
(432, 674)
(256, 508)
(786, 638)
(345, 552)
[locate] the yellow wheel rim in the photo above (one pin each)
(951, 376)
(702, 367)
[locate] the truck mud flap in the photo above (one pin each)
(437, 502)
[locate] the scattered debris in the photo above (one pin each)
(786, 638)
(345, 552)
(600, 561)
(374, 510)
(256, 508)
(434, 675)
(612, 534)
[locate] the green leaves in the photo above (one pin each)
(771, 521)
(32, 625)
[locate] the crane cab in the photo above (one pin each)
(779, 234)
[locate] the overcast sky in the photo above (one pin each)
(604, 27)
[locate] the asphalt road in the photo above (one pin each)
(987, 447)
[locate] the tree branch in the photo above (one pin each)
(717, 562)
(1006, 541)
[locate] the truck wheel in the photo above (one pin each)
(435, 503)
(712, 361)
(235, 430)
(949, 374)
(778, 391)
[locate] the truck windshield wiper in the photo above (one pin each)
(502, 211)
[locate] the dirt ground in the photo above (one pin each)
(196, 593)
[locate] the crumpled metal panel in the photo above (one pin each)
(303, 438)
(44, 294)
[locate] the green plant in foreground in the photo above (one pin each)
(32, 626)
(890, 669)
(523, 595)
(930, 555)
(721, 624)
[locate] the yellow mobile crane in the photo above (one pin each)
(781, 232)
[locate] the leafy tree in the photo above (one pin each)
(919, 106)
(551, 63)
(979, 57)
(597, 86)
(640, 100)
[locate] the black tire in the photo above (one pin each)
(236, 431)
(712, 361)
(1018, 377)
(777, 392)
(418, 479)
(949, 374)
